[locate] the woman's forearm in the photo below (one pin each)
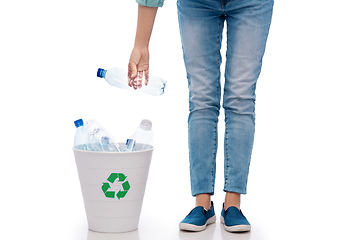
(146, 19)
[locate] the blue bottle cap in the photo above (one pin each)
(79, 123)
(101, 73)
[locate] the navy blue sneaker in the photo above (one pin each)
(198, 219)
(234, 220)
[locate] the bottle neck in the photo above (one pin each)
(145, 127)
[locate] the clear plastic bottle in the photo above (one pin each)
(130, 145)
(81, 140)
(100, 139)
(109, 146)
(142, 138)
(118, 77)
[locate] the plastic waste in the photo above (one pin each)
(130, 144)
(118, 77)
(109, 146)
(100, 139)
(142, 138)
(81, 140)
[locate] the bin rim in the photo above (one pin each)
(98, 152)
(101, 152)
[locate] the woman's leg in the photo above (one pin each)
(248, 25)
(201, 25)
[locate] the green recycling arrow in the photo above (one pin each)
(105, 187)
(112, 177)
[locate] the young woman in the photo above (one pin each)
(201, 25)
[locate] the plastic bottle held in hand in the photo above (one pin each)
(142, 139)
(118, 77)
(81, 140)
(100, 139)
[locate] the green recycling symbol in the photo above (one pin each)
(111, 179)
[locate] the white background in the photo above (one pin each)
(304, 180)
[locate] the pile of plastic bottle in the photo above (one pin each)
(91, 136)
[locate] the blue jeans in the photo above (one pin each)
(201, 25)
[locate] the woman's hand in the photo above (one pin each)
(139, 59)
(138, 65)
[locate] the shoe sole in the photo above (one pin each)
(236, 228)
(195, 228)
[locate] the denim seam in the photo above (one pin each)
(213, 163)
(220, 29)
(216, 131)
(219, 61)
(226, 155)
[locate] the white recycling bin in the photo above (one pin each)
(113, 186)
